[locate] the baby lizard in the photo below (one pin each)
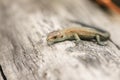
(85, 32)
(78, 34)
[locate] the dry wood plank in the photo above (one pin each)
(1, 78)
(25, 55)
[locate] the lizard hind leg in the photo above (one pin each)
(99, 41)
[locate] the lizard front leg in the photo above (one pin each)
(99, 41)
(77, 38)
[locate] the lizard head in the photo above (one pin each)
(54, 37)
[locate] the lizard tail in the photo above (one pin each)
(115, 44)
(105, 36)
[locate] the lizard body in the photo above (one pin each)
(78, 34)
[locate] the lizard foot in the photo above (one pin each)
(77, 42)
(102, 43)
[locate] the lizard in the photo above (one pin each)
(86, 32)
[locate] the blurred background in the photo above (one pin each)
(25, 24)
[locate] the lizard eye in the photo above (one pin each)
(61, 36)
(54, 37)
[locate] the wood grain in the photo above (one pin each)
(25, 55)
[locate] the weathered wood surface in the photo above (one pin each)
(24, 54)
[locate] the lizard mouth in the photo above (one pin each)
(49, 42)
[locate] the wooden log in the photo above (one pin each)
(25, 55)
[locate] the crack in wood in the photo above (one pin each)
(2, 73)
